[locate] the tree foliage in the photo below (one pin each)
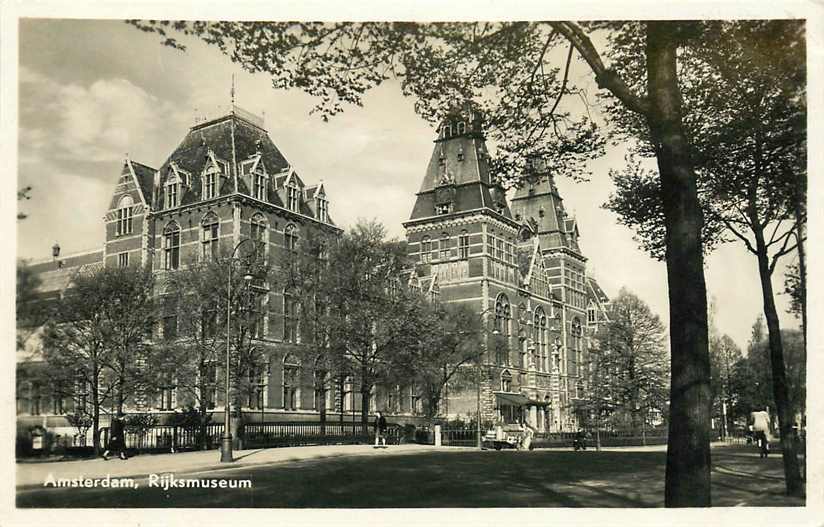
(94, 344)
(632, 360)
(372, 318)
(450, 344)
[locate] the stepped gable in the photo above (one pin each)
(458, 170)
(213, 140)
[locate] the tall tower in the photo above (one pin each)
(538, 206)
(461, 231)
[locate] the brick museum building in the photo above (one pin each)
(516, 261)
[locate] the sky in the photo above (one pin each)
(92, 92)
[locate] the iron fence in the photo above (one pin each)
(261, 435)
(459, 437)
(171, 437)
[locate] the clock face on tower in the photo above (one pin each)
(444, 195)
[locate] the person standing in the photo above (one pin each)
(117, 438)
(380, 430)
(763, 444)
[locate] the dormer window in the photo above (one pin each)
(210, 184)
(292, 198)
(442, 209)
(259, 185)
(461, 153)
(323, 209)
(172, 194)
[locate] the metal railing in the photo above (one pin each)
(261, 435)
(171, 437)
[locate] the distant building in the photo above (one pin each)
(226, 181)
(519, 265)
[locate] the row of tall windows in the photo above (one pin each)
(501, 249)
(210, 239)
(443, 247)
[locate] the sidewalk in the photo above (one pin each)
(34, 474)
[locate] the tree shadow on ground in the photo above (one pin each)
(450, 479)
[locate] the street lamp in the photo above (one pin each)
(226, 441)
(479, 372)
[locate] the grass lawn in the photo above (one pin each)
(452, 479)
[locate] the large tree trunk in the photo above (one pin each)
(688, 448)
(792, 476)
(365, 389)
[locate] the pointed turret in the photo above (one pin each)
(457, 179)
(538, 206)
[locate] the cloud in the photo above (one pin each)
(96, 123)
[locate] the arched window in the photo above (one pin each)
(426, 249)
(461, 127)
(506, 381)
(291, 324)
(290, 234)
(259, 230)
(124, 216)
(447, 130)
(291, 382)
(503, 315)
(463, 245)
(539, 328)
(209, 239)
(171, 246)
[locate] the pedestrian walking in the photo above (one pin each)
(380, 430)
(117, 438)
(763, 444)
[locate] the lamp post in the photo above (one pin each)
(479, 373)
(226, 441)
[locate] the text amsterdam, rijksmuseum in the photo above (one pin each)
(517, 262)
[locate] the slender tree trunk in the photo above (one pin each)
(688, 448)
(323, 391)
(96, 418)
(792, 475)
(802, 265)
(365, 407)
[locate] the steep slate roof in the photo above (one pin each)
(460, 161)
(538, 203)
(596, 291)
(220, 136)
(145, 180)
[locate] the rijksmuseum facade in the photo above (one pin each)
(517, 262)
